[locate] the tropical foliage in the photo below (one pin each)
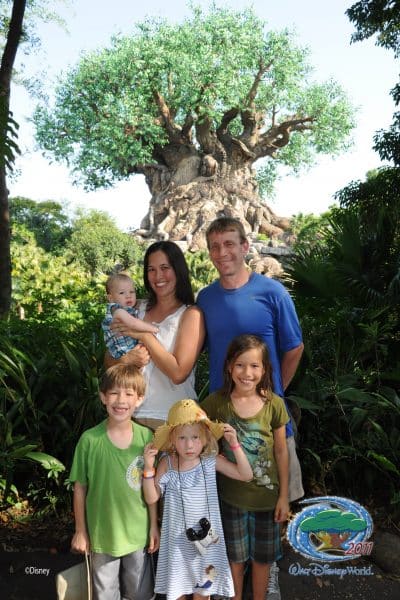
(18, 20)
(346, 296)
(346, 289)
(344, 276)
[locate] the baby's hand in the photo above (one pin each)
(230, 434)
(150, 453)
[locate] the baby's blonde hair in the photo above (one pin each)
(112, 280)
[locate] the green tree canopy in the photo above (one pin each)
(47, 220)
(218, 82)
(98, 245)
(381, 18)
(377, 17)
(333, 520)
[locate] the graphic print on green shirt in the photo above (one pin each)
(255, 434)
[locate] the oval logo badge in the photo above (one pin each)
(331, 529)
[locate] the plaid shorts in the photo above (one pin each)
(251, 535)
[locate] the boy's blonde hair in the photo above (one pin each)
(125, 377)
(112, 280)
(210, 444)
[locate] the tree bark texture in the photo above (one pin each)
(203, 172)
(196, 188)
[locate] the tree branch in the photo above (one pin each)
(278, 136)
(187, 126)
(252, 121)
(227, 118)
(257, 80)
(11, 47)
(6, 67)
(173, 130)
(205, 136)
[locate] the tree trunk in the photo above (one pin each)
(192, 191)
(7, 62)
(5, 259)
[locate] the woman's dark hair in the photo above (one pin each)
(239, 345)
(176, 259)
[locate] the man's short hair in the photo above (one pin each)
(223, 224)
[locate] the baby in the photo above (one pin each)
(121, 298)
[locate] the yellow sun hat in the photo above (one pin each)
(185, 412)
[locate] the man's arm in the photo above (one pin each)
(289, 363)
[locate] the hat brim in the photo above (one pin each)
(161, 435)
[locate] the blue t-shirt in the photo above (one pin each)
(261, 307)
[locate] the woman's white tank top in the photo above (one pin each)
(161, 393)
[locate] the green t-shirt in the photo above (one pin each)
(116, 513)
(255, 434)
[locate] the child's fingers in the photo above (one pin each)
(228, 430)
(150, 449)
(154, 544)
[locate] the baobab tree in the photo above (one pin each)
(196, 108)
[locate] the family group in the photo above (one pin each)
(218, 475)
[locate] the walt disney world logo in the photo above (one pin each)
(331, 529)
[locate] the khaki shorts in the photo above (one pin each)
(130, 576)
(296, 490)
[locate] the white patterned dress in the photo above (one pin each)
(188, 497)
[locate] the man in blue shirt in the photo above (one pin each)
(244, 302)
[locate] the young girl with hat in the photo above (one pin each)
(192, 558)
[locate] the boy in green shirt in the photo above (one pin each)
(111, 518)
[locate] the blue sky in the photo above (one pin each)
(365, 71)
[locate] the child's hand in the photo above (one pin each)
(150, 453)
(281, 510)
(154, 539)
(80, 542)
(230, 434)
